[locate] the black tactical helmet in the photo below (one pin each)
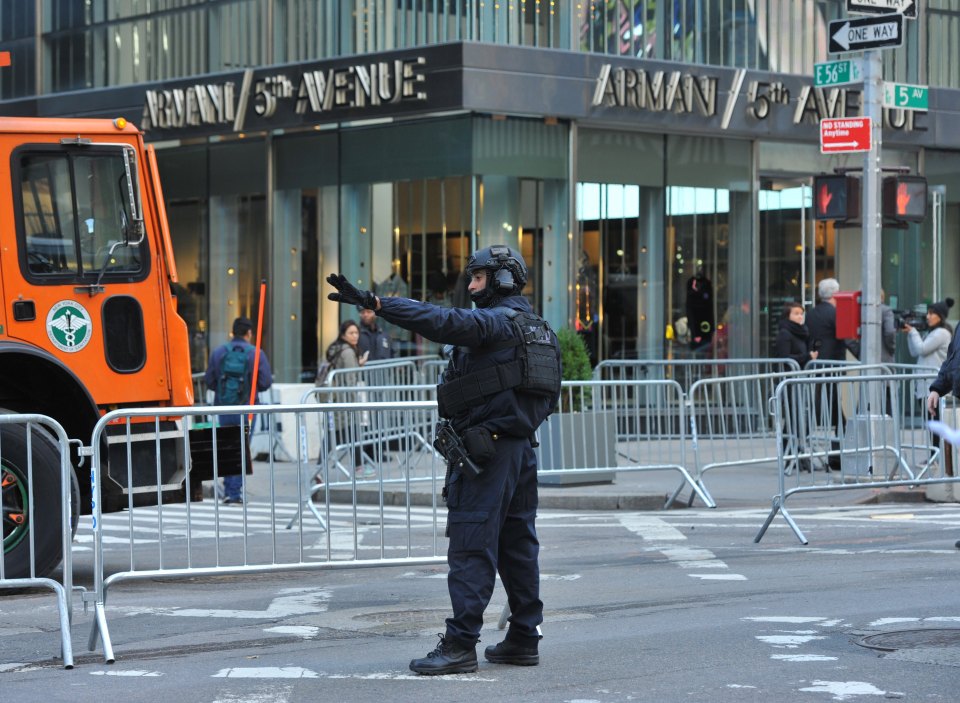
(508, 273)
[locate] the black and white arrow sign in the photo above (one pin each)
(880, 32)
(907, 8)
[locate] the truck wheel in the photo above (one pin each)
(46, 502)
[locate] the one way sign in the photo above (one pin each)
(879, 32)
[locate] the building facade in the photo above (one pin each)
(651, 159)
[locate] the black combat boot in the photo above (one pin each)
(518, 651)
(450, 657)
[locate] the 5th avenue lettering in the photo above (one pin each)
(358, 86)
(656, 91)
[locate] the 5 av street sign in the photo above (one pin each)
(904, 96)
(845, 134)
(880, 32)
(907, 8)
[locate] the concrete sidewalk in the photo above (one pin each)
(731, 487)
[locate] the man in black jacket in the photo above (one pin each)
(822, 322)
(491, 507)
(372, 338)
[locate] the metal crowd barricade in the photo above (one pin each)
(393, 372)
(18, 476)
(732, 423)
(430, 370)
(606, 427)
(394, 443)
(209, 539)
(686, 372)
(867, 424)
(199, 389)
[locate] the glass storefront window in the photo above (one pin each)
(619, 297)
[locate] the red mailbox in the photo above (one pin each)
(848, 314)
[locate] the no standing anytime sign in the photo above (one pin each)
(844, 134)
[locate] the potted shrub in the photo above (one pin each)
(578, 435)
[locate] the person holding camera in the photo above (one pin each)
(931, 352)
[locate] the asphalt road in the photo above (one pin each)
(640, 606)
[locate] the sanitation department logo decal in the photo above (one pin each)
(69, 326)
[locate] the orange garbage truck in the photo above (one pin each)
(88, 324)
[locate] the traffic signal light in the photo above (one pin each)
(836, 198)
(904, 198)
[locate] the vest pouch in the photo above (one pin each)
(479, 444)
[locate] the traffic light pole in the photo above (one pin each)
(870, 330)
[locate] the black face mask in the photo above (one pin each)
(485, 298)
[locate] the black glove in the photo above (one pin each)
(348, 294)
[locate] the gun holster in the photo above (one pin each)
(451, 448)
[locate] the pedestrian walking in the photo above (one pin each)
(230, 375)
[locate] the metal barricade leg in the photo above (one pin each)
(778, 507)
(100, 631)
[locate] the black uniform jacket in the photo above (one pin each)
(948, 378)
(822, 323)
(473, 333)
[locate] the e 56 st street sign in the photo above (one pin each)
(907, 8)
(879, 32)
(831, 73)
(904, 96)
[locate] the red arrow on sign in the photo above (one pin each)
(845, 134)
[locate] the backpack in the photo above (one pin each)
(325, 368)
(329, 365)
(234, 385)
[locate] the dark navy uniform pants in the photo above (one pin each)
(490, 522)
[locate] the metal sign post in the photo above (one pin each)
(870, 331)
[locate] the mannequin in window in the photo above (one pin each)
(700, 310)
(393, 286)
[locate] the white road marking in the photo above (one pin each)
(842, 690)
(653, 529)
(397, 676)
(788, 641)
(803, 657)
(266, 672)
(784, 618)
(275, 694)
(131, 672)
(305, 631)
(298, 601)
(18, 667)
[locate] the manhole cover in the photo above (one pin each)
(912, 639)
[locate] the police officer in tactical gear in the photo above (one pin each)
(490, 415)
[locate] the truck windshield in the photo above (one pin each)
(74, 207)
